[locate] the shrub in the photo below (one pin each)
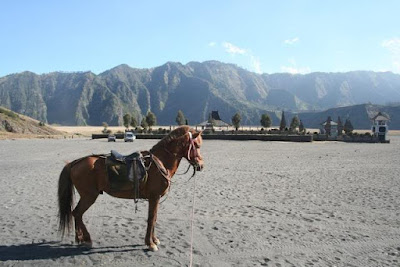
(9, 113)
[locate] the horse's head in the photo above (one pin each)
(183, 142)
(194, 142)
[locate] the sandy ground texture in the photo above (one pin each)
(257, 204)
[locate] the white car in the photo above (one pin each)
(129, 137)
(111, 138)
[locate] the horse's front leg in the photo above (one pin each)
(150, 239)
(155, 239)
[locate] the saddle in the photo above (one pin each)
(129, 173)
(126, 172)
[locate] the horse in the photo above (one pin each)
(89, 177)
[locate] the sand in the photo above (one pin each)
(257, 204)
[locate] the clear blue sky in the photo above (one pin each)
(261, 36)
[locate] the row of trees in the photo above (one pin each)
(147, 122)
(295, 123)
(347, 128)
(266, 122)
(151, 120)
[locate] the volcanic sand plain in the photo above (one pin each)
(256, 204)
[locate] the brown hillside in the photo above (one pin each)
(16, 125)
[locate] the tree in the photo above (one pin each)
(348, 127)
(133, 122)
(328, 125)
(211, 121)
(265, 121)
(302, 129)
(339, 126)
(236, 120)
(282, 125)
(151, 119)
(105, 125)
(180, 118)
(294, 123)
(144, 124)
(127, 120)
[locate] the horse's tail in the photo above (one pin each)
(65, 200)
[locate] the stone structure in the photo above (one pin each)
(214, 120)
(329, 127)
(380, 126)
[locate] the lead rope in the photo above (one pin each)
(192, 222)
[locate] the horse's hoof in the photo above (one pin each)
(153, 248)
(157, 241)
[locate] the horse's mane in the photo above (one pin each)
(178, 132)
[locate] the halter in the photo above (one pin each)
(191, 148)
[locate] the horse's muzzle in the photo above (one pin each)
(199, 167)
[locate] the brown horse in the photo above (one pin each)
(89, 176)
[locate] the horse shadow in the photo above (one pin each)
(54, 250)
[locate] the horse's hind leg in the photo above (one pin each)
(82, 235)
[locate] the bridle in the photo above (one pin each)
(192, 148)
(191, 154)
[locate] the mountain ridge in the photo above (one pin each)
(84, 98)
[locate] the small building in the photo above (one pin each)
(214, 120)
(329, 127)
(380, 126)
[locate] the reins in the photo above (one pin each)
(192, 222)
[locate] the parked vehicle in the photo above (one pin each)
(112, 138)
(129, 137)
